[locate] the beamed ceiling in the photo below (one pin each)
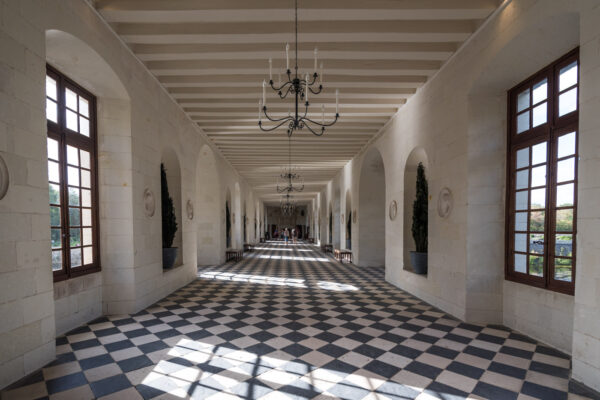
(212, 56)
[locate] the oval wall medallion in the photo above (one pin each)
(233, 218)
(354, 216)
(149, 202)
(342, 220)
(189, 208)
(393, 210)
(3, 178)
(445, 202)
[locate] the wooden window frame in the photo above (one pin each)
(548, 132)
(59, 132)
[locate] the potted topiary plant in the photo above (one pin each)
(169, 222)
(418, 258)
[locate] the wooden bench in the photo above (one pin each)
(248, 247)
(311, 240)
(233, 254)
(262, 240)
(327, 248)
(343, 255)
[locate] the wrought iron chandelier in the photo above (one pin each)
(299, 88)
(289, 175)
(288, 205)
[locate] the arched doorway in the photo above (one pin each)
(170, 161)
(371, 211)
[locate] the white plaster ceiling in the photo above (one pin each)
(212, 56)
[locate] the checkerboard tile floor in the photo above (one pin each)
(292, 323)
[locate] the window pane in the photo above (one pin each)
(84, 126)
(536, 221)
(71, 120)
(522, 179)
(50, 87)
(563, 269)
(521, 242)
(538, 198)
(523, 122)
(71, 99)
(521, 221)
(86, 179)
(87, 236)
(53, 174)
(566, 145)
(54, 216)
(83, 107)
(75, 257)
(54, 193)
(539, 114)
(73, 175)
(567, 102)
(564, 220)
(86, 217)
(53, 149)
(74, 217)
(523, 100)
(51, 111)
(536, 265)
(565, 170)
(523, 157)
(55, 238)
(57, 260)
(75, 234)
(72, 156)
(88, 255)
(540, 91)
(564, 245)
(538, 176)
(73, 196)
(86, 198)
(538, 153)
(565, 195)
(521, 200)
(85, 158)
(568, 76)
(536, 243)
(520, 263)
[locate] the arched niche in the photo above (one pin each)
(416, 156)
(348, 222)
(84, 65)
(237, 216)
(208, 201)
(338, 224)
(228, 220)
(371, 210)
(173, 171)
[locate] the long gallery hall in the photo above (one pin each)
(300, 199)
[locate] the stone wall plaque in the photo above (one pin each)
(189, 208)
(445, 202)
(149, 203)
(393, 210)
(4, 178)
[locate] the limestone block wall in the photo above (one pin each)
(586, 335)
(134, 129)
(459, 119)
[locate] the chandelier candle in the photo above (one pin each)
(298, 86)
